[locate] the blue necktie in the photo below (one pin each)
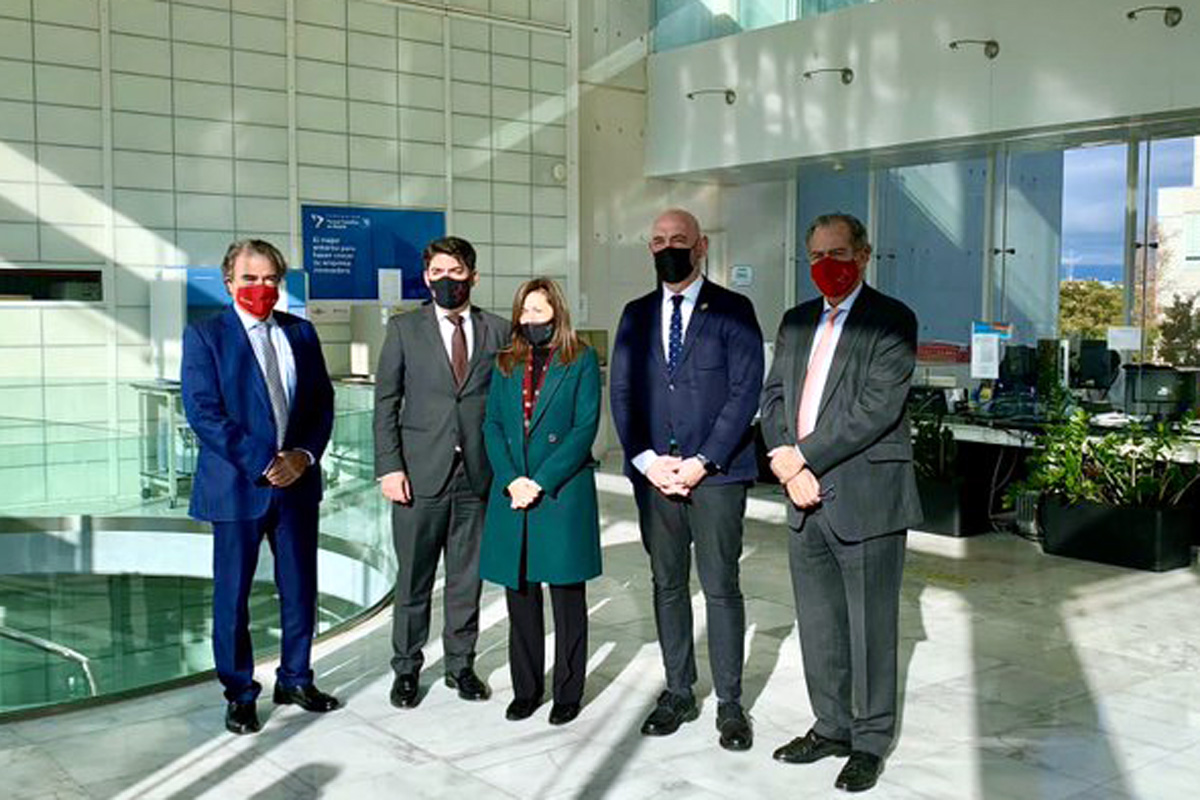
(675, 334)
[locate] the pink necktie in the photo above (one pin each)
(818, 367)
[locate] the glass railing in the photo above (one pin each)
(105, 583)
(682, 22)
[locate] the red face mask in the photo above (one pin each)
(833, 277)
(258, 299)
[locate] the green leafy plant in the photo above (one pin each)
(1132, 467)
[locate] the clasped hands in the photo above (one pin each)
(801, 485)
(286, 468)
(672, 475)
(524, 493)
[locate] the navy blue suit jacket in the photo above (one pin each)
(707, 405)
(225, 399)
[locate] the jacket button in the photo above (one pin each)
(553, 438)
(670, 387)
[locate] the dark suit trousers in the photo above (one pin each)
(291, 530)
(711, 519)
(451, 523)
(848, 606)
(527, 639)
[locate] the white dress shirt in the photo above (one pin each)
(644, 459)
(283, 350)
(446, 329)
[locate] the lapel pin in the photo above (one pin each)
(704, 306)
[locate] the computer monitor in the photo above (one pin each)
(1019, 367)
(1159, 391)
(1097, 367)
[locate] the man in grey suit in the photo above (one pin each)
(430, 394)
(833, 417)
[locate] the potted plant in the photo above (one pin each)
(1119, 498)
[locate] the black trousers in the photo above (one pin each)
(710, 518)
(450, 523)
(527, 639)
(848, 606)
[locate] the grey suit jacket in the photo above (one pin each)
(420, 414)
(861, 449)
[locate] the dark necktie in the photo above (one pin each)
(458, 349)
(675, 333)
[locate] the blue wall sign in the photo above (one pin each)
(344, 247)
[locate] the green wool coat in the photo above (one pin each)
(564, 524)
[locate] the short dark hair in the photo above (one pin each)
(858, 231)
(454, 246)
(258, 247)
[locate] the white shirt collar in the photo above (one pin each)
(689, 294)
(445, 314)
(848, 303)
(249, 320)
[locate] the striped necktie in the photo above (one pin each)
(265, 352)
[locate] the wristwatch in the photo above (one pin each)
(709, 467)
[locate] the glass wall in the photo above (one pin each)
(113, 593)
(683, 22)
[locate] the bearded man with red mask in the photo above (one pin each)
(833, 418)
(260, 402)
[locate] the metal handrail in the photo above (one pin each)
(54, 648)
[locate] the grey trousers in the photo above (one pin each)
(711, 520)
(848, 606)
(449, 523)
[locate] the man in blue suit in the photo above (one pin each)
(258, 398)
(687, 367)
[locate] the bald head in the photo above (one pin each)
(678, 229)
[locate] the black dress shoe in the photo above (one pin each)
(468, 684)
(860, 772)
(562, 713)
(242, 718)
(734, 727)
(672, 711)
(308, 697)
(405, 689)
(811, 747)
(521, 708)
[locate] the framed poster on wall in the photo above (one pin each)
(346, 247)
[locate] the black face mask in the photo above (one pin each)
(449, 293)
(538, 334)
(673, 264)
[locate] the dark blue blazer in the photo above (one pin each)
(707, 405)
(225, 399)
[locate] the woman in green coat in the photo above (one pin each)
(542, 523)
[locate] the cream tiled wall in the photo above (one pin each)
(142, 134)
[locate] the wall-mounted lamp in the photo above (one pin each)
(991, 48)
(846, 73)
(1172, 15)
(730, 94)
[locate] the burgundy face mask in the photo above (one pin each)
(833, 277)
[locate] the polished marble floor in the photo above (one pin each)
(1025, 676)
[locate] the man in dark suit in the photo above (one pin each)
(833, 417)
(687, 367)
(258, 398)
(430, 395)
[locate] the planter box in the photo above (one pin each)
(1141, 538)
(950, 509)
